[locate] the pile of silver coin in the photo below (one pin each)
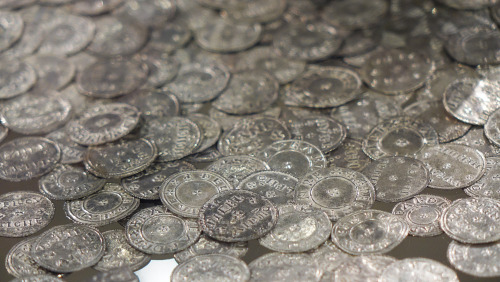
(202, 125)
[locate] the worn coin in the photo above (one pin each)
(227, 36)
(162, 67)
(169, 37)
(212, 267)
(12, 28)
(210, 128)
(478, 260)
(38, 278)
(205, 246)
(155, 102)
(236, 168)
(323, 132)
(492, 128)
(329, 258)
(228, 121)
(360, 42)
(277, 187)
(53, 72)
(356, 14)
(418, 269)
(487, 185)
(256, 11)
(284, 267)
(19, 262)
(476, 45)
(348, 155)
(71, 151)
(363, 268)
(476, 139)
(93, 7)
(209, 155)
(121, 274)
(16, 77)
(149, 13)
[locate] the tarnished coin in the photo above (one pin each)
(492, 127)
(452, 166)
(422, 214)
(228, 121)
(357, 14)
(487, 185)
(162, 67)
(14, 4)
(4, 131)
(206, 246)
(337, 191)
(156, 231)
(236, 168)
(156, 103)
(476, 45)
(146, 184)
(396, 71)
(169, 37)
(227, 36)
(93, 7)
(24, 213)
(213, 267)
(53, 72)
(349, 155)
(149, 13)
(293, 157)
(252, 135)
(121, 274)
(310, 42)
(472, 100)
(119, 253)
(476, 139)
(464, 4)
(278, 267)
(369, 232)
(299, 229)
(277, 187)
(19, 262)
(71, 151)
(237, 216)
(68, 183)
(363, 268)
(28, 157)
(323, 132)
(16, 77)
(38, 278)
(329, 258)
(103, 123)
(397, 178)
(12, 28)
(111, 78)
(175, 137)
(184, 193)
(472, 220)
(360, 42)
(256, 11)
(418, 269)
(29, 114)
(478, 260)
(199, 82)
(210, 129)
(323, 87)
(399, 136)
(68, 248)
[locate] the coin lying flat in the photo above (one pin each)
(227, 36)
(422, 214)
(210, 128)
(53, 72)
(213, 267)
(452, 166)
(93, 7)
(476, 139)
(472, 220)
(474, 46)
(71, 152)
(228, 121)
(236, 216)
(12, 28)
(28, 157)
(68, 248)
(323, 132)
(149, 13)
(329, 258)
(156, 231)
(16, 78)
(256, 11)
(162, 67)
(355, 14)
(284, 267)
(169, 37)
(418, 269)
(337, 191)
(492, 129)
(121, 274)
(277, 187)
(38, 278)
(487, 185)
(363, 268)
(205, 246)
(154, 102)
(19, 262)
(349, 155)
(236, 168)
(477, 260)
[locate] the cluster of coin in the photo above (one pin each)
(281, 121)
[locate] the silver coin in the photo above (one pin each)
(284, 267)
(399, 136)
(472, 100)
(277, 187)
(121, 159)
(237, 216)
(369, 232)
(93, 7)
(68, 248)
(492, 129)
(349, 155)
(472, 220)
(323, 87)
(149, 13)
(111, 78)
(176, 137)
(476, 260)
(452, 166)
(337, 191)
(71, 151)
(68, 183)
(299, 229)
(146, 184)
(256, 11)
(19, 262)
(28, 43)
(38, 278)
(309, 42)
(28, 157)
(155, 102)
(329, 258)
(360, 41)
(252, 135)
(487, 185)
(169, 37)
(213, 267)
(228, 121)
(360, 60)
(117, 36)
(355, 14)
(162, 67)
(119, 253)
(16, 78)
(209, 155)
(156, 231)
(210, 128)
(476, 139)
(323, 132)
(206, 246)
(363, 268)
(236, 168)
(397, 178)
(103, 123)
(199, 82)
(396, 71)
(184, 193)
(53, 72)
(227, 36)
(121, 274)
(473, 5)
(418, 269)
(13, 4)
(474, 45)
(12, 28)
(422, 214)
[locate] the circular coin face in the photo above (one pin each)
(277, 187)
(12, 28)
(337, 191)
(214, 267)
(487, 185)
(472, 220)
(349, 155)
(210, 129)
(356, 14)
(68, 248)
(284, 267)
(329, 258)
(16, 77)
(367, 268)
(207, 246)
(476, 45)
(149, 13)
(256, 11)
(227, 36)
(53, 72)
(71, 151)
(237, 216)
(19, 262)
(323, 132)
(476, 139)
(418, 269)
(236, 168)
(169, 37)
(477, 260)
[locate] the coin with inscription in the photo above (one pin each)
(329, 258)
(17, 77)
(363, 268)
(337, 191)
(476, 139)
(70, 150)
(19, 262)
(169, 37)
(422, 214)
(479, 260)
(418, 269)
(277, 187)
(28, 157)
(227, 36)
(397, 178)
(210, 128)
(278, 267)
(236, 216)
(213, 267)
(155, 102)
(236, 168)
(477, 45)
(487, 185)
(93, 7)
(38, 278)
(149, 13)
(452, 166)
(68, 248)
(156, 231)
(356, 14)
(227, 121)
(323, 132)
(205, 246)
(472, 220)
(348, 155)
